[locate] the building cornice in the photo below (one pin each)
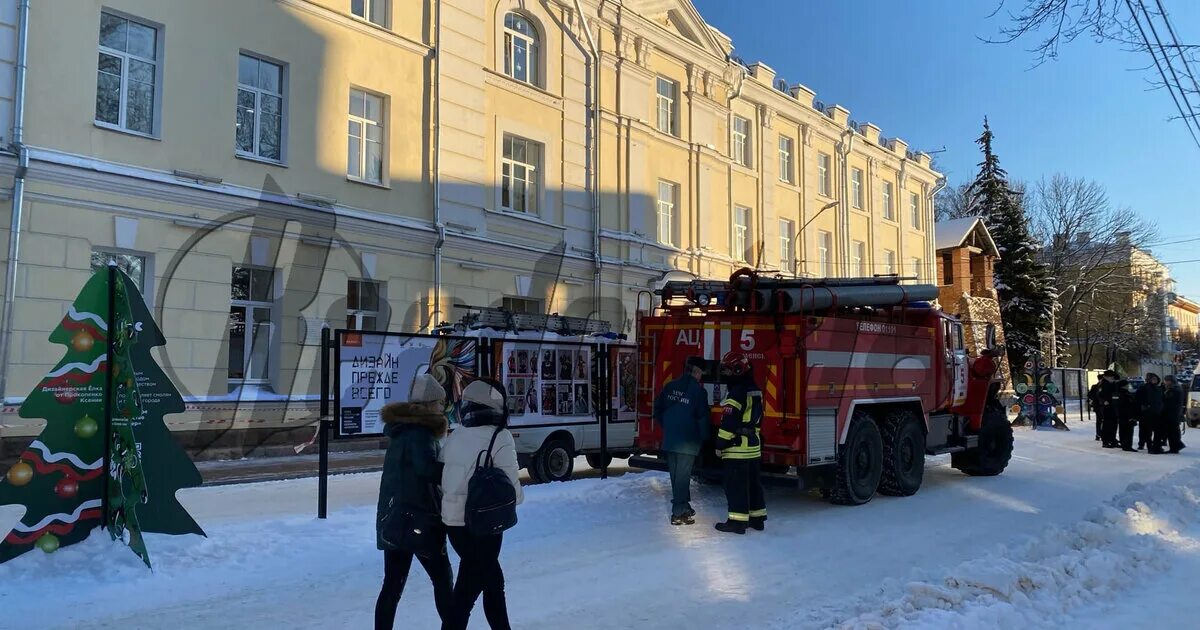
(361, 26)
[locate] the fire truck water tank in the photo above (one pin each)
(815, 298)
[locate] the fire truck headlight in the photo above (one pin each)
(703, 299)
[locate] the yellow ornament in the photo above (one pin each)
(20, 474)
(82, 341)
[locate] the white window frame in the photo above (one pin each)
(355, 314)
(376, 12)
(741, 141)
(364, 124)
(259, 93)
(667, 106)
(916, 267)
(249, 306)
(889, 210)
(825, 253)
(889, 262)
(512, 37)
(145, 283)
(856, 188)
(509, 167)
(666, 211)
(125, 57)
(824, 169)
(787, 258)
(787, 164)
(858, 259)
(914, 209)
(740, 234)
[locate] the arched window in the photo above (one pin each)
(520, 49)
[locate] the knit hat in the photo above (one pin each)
(426, 388)
(483, 393)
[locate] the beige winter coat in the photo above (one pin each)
(459, 453)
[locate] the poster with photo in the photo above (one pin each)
(547, 384)
(548, 371)
(549, 399)
(625, 384)
(566, 406)
(566, 362)
(582, 400)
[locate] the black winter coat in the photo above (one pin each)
(1173, 401)
(1149, 401)
(411, 471)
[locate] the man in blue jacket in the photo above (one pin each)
(683, 410)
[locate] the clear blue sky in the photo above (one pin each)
(920, 71)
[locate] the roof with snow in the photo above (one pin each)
(968, 231)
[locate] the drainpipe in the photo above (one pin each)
(438, 226)
(732, 96)
(845, 147)
(18, 194)
(594, 138)
(930, 250)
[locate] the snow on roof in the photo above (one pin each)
(954, 232)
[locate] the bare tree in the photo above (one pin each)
(954, 202)
(1087, 246)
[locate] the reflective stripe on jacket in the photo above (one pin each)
(740, 434)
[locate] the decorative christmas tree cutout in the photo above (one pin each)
(61, 478)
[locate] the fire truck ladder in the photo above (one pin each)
(502, 319)
(746, 291)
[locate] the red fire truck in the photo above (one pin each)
(861, 379)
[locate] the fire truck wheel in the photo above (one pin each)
(903, 454)
(860, 462)
(598, 461)
(995, 448)
(556, 460)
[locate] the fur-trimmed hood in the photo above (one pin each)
(424, 415)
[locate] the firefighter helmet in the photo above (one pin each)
(735, 364)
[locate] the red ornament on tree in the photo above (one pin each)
(67, 487)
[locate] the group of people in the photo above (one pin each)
(1155, 409)
(423, 473)
(682, 410)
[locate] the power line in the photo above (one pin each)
(1187, 64)
(1188, 115)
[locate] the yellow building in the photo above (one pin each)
(267, 167)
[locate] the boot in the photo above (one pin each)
(758, 523)
(682, 519)
(731, 527)
(689, 513)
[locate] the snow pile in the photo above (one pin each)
(1041, 582)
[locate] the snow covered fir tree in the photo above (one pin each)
(1023, 286)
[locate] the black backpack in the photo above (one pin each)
(491, 498)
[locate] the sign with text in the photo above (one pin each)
(374, 369)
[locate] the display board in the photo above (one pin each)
(376, 368)
(623, 382)
(547, 383)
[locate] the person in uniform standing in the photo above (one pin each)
(683, 411)
(1109, 400)
(1148, 403)
(1173, 401)
(739, 442)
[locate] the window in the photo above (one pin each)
(856, 187)
(521, 305)
(824, 186)
(362, 304)
(668, 194)
(786, 259)
(365, 152)
(133, 265)
(520, 49)
(252, 297)
(824, 251)
(260, 108)
(741, 233)
(126, 74)
(889, 262)
(947, 269)
(916, 267)
(888, 211)
(519, 174)
(858, 259)
(668, 97)
(786, 168)
(370, 10)
(741, 141)
(914, 210)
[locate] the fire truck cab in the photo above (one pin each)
(861, 379)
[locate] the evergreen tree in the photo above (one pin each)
(1022, 282)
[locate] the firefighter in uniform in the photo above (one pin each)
(739, 441)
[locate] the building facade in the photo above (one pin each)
(966, 260)
(266, 168)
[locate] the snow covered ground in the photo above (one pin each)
(1070, 536)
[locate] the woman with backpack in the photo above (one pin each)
(408, 520)
(477, 454)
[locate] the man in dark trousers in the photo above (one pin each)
(1148, 403)
(739, 441)
(1093, 397)
(1127, 415)
(1173, 401)
(683, 410)
(1109, 401)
